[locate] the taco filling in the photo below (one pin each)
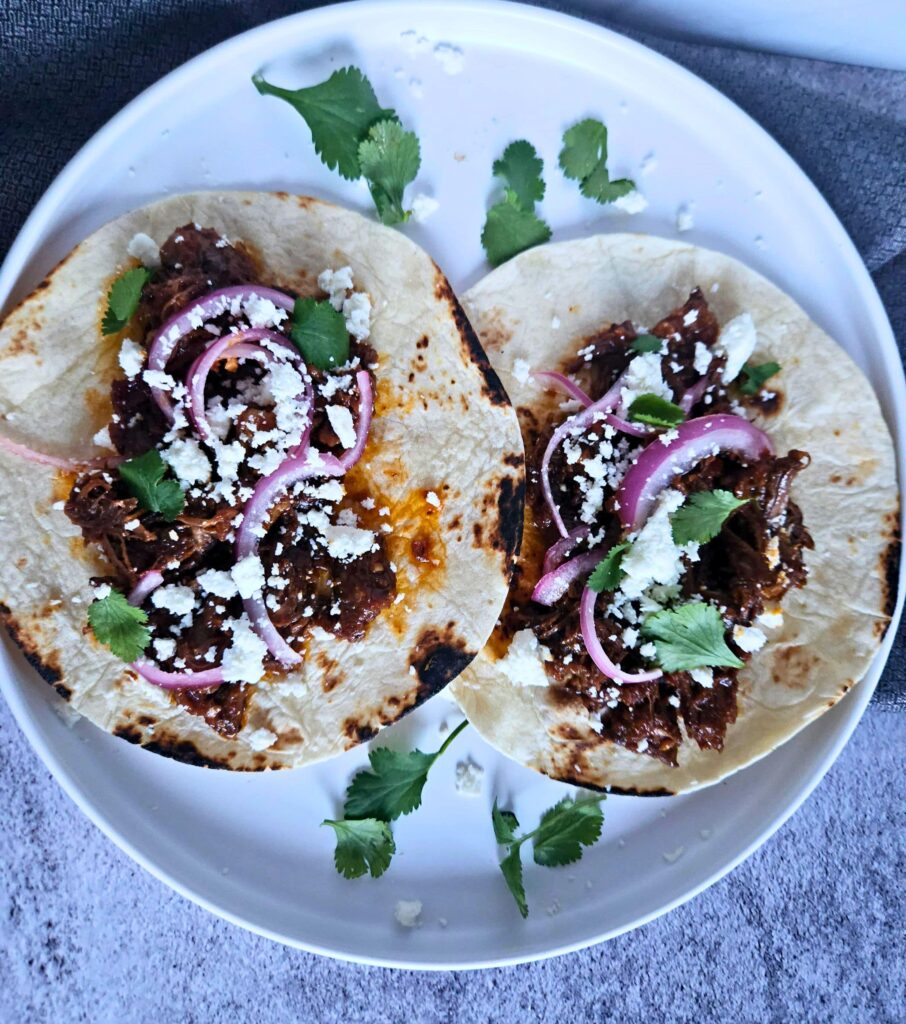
(660, 532)
(226, 516)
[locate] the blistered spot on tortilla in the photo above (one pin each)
(20, 344)
(479, 535)
(507, 534)
(422, 342)
(795, 667)
(63, 691)
(172, 747)
(358, 732)
(332, 676)
(890, 567)
(573, 767)
(438, 657)
(491, 387)
(47, 665)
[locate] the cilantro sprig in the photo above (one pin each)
(119, 625)
(754, 377)
(562, 832)
(584, 159)
(319, 333)
(655, 411)
(608, 572)
(122, 299)
(689, 636)
(375, 797)
(144, 478)
(646, 343)
(512, 226)
(355, 136)
(702, 516)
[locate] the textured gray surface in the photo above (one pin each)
(809, 929)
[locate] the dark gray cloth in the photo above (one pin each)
(67, 66)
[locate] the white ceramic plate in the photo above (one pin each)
(249, 847)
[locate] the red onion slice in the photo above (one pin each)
(564, 383)
(597, 653)
(147, 582)
(559, 550)
(366, 408)
(254, 515)
(658, 464)
(553, 585)
(230, 346)
(178, 680)
(192, 317)
(693, 395)
(57, 461)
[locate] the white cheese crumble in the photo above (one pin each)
(164, 649)
(102, 438)
(173, 598)
(262, 312)
(341, 421)
(218, 582)
(643, 377)
(749, 638)
(423, 207)
(632, 202)
(189, 463)
(357, 314)
(653, 557)
(243, 660)
(260, 739)
(772, 552)
(703, 676)
(771, 617)
(336, 283)
(143, 248)
(521, 370)
(101, 591)
(432, 499)
(248, 575)
(469, 778)
(132, 358)
(737, 342)
(702, 358)
(407, 912)
(523, 663)
(685, 220)
(158, 379)
(347, 542)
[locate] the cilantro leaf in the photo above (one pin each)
(509, 230)
(394, 784)
(338, 111)
(511, 868)
(319, 333)
(646, 343)
(565, 828)
(389, 158)
(703, 514)
(584, 148)
(144, 477)
(689, 636)
(584, 158)
(362, 845)
(122, 299)
(656, 411)
(609, 571)
(505, 825)
(521, 168)
(755, 376)
(119, 625)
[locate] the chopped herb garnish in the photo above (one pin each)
(655, 411)
(376, 796)
(339, 112)
(609, 571)
(562, 832)
(512, 224)
(144, 478)
(362, 845)
(703, 515)
(689, 636)
(389, 158)
(646, 343)
(119, 625)
(584, 158)
(755, 376)
(123, 298)
(319, 332)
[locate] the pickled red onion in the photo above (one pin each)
(565, 384)
(366, 407)
(147, 582)
(558, 551)
(553, 585)
(254, 515)
(57, 461)
(178, 680)
(191, 317)
(597, 653)
(658, 464)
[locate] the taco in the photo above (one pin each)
(246, 479)
(711, 537)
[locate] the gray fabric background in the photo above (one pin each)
(809, 929)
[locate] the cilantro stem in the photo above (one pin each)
(446, 743)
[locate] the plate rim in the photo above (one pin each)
(851, 707)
